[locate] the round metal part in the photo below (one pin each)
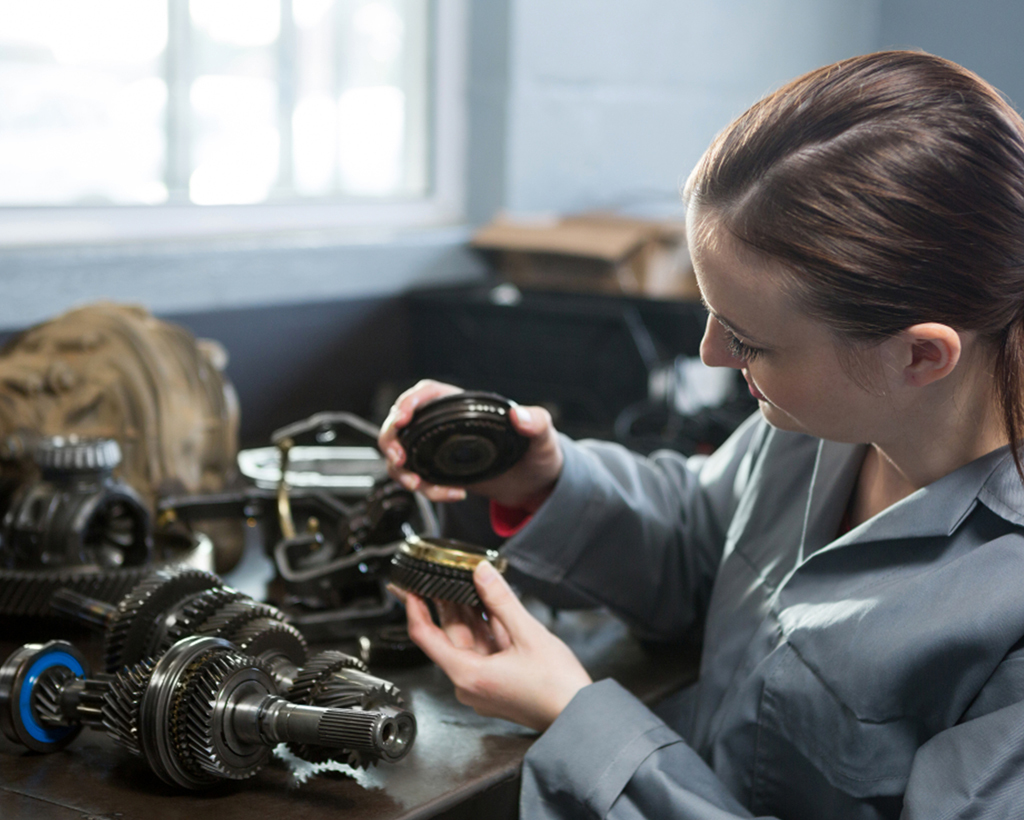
(462, 439)
(74, 454)
(211, 729)
(28, 592)
(134, 633)
(19, 676)
(441, 568)
(159, 710)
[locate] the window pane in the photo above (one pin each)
(235, 141)
(212, 101)
(359, 124)
(82, 101)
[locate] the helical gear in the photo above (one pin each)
(134, 626)
(196, 611)
(121, 704)
(232, 617)
(198, 731)
(334, 679)
(46, 695)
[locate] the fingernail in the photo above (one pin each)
(394, 453)
(456, 495)
(523, 415)
(399, 593)
(486, 573)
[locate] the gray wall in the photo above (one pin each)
(986, 36)
(611, 103)
(572, 104)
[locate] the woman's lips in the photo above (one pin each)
(757, 394)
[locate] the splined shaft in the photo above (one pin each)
(200, 713)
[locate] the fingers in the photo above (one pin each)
(501, 602)
(401, 413)
(530, 421)
(405, 405)
(456, 662)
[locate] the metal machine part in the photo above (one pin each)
(462, 439)
(174, 604)
(27, 592)
(202, 713)
(77, 513)
(334, 679)
(441, 568)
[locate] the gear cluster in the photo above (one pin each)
(204, 711)
(169, 605)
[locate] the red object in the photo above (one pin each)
(507, 521)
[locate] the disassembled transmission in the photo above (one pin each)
(462, 439)
(441, 568)
(331, 549)
(67, 523)
(202, 712)
(170, 605)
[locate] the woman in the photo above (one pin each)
(854, 553)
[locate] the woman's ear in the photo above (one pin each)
(930, 351)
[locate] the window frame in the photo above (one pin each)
(443, 204)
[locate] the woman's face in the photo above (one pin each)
(791, 362)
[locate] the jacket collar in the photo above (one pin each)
(935, 510)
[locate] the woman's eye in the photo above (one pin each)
(741, 350)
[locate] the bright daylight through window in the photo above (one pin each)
(213, 102)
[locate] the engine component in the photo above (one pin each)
(462, 439)
(441, 568)
(27, 592)
(203, 712)
(77, 514)
(334, 679)
(115, 371)
(173, 604)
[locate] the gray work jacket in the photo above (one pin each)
(878, 674)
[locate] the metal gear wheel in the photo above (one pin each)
(227, 621)
(337, 680)
(278, 644)
(131, 634)
(121, 704)
(202, 729)
(194, 612)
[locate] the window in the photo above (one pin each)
(317, 108)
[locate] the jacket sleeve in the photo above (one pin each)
(641, 535)
(608, 756)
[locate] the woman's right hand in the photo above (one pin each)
(526, 485)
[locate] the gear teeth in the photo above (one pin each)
(199, 719)
(231, 618)
(46, 694)
(278, 644)
(133, 630)
(321, 666)
(28, 592)
(430, 580)
(196, 612)
(121, 704)
(334, 679)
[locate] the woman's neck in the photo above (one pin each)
(930, 442)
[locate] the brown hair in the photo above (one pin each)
(891, 187)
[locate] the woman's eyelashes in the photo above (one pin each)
(740, 349)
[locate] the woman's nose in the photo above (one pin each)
(714, 348)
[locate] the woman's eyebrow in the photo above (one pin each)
(728, 325)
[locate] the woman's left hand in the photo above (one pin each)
(509, 665)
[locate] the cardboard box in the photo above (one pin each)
(593, 252)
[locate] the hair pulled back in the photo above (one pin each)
(891, 188)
